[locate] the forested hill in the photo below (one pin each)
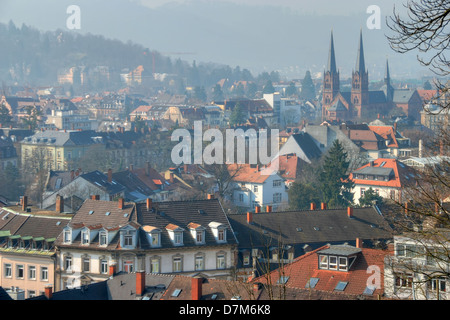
(33, 57)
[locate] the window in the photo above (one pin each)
(155, 239)
(283, 280)
(20, 271)
(439, 285)
(312, 282)
(44, 273)
(341, 286)
(277, 197)
(277, 183)
(221, 235)
(199, 263)
(8, 270)
(32, 272)
(199, 236)
(241, 197)
(403, 280)
(86, 264)
(103, 238)
(85, 237)
(103, 266)
(332, 263)
(128, 239)
(68, 263)
(178, 238)
(246, 259)
(221, 261)
(177, 264)
(323, 262)
(154, 265)
(363, 190)
(128, 266)
(343, 263)
(255, 188)
(31, 293)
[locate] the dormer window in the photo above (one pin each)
(103, 238)
(219, 231)
(153, 236)
(339, 258)
(175, 234)
(197, 232)
(128, 237)
(85, 236)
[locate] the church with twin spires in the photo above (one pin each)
(360, 103)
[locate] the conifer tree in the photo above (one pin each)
(334, 179)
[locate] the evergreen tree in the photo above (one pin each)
(370, 198)
(237, 116)
(217, 93)
(301, 195)
(268, 88)
(308, 90)
(291, 90)
(334, 178)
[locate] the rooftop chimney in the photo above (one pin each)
(95, 197)
(49, 292)
(147, 169)
(196, 288)
(249, 217)
(149, 204)
(59, 207)
(359, 243)
(140, 283)
(313, 206)
(72, 174)
(210, 196)
(268, 208)
(323, 206)
(121, 203)
(24, 203)
(350, 212)
(257, 209)
(112, 269)
(131, 167)
(109, 175)
(171, 177)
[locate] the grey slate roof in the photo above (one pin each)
(182, 213)
(306, 143)
(61, 138)
(402, 95)
(101, 180)
(315, 228)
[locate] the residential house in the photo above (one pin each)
(343, 268)
(8, 153)
(142, 112)
(187, 237)
(254, 185)
(86, 185)
(434, 117)
(396, 144)
(387, 177)
(288, 111)
(56, 150)
(252, 108)
(214, 116)
(419, 268)
(303, 146)
(70, 120)
(289, 167)
(268, 239)
(27, 251)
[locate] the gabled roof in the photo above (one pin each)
(247, 173)
(402, 174)
(182, 214)
(100, 180)
(307, 145)
(388, 133)
(306, 267)
(312, 227)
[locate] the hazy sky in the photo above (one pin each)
(290, 36)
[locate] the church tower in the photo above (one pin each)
(330, 80)
(360, 83)
(387, 88)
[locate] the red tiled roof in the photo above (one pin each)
(246, 173)
(388, 133)
(401, 174)
(306, 267)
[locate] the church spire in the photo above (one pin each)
(387, 76)
(360, 65)
(331, 57)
